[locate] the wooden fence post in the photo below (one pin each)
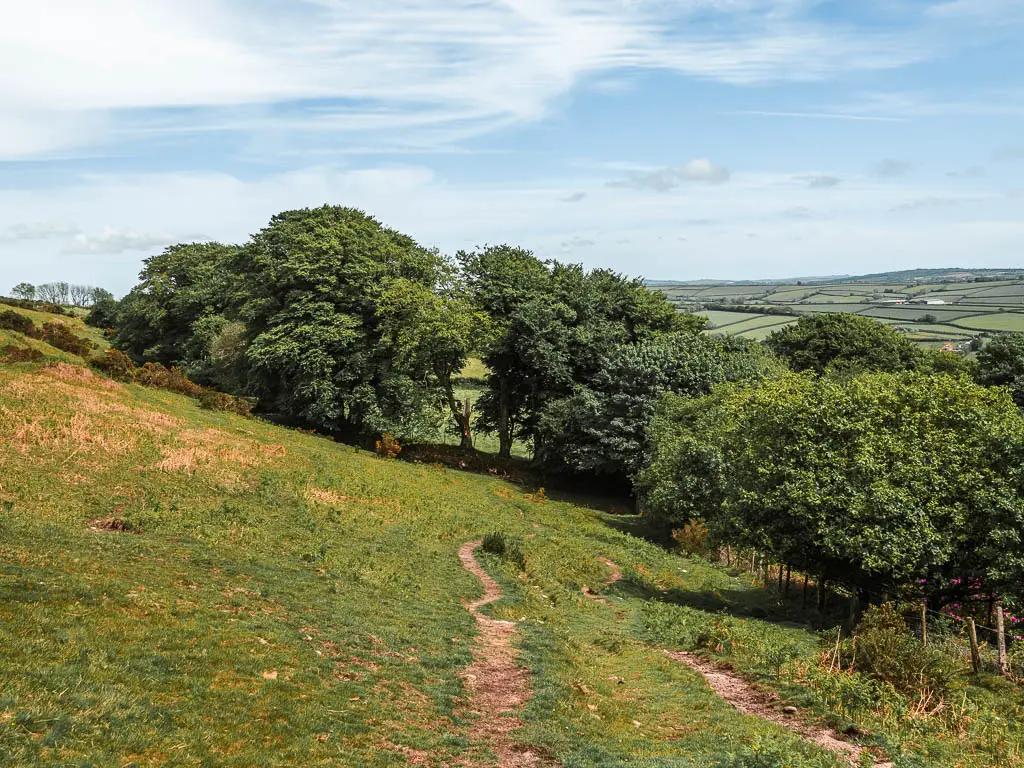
(972, 634)
(1000, 641)
(924, 622)
(803, 600)
(780, 578)
(786, 591)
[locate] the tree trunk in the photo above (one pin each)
(462, 412)
(822, 594)
(504, 420)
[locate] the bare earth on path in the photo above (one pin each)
(747, 699)
(751, 701)
(498, 686)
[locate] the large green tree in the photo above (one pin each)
(318, 297)
(178, 307)
(871, 481)
(555, 326)
(1001, 363)
(843, 343)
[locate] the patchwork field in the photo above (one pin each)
(933, 312)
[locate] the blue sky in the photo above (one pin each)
(673, 139)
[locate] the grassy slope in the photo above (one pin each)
(77, 324)
(286, 600)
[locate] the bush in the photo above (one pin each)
(507, 549)
(15, 321)
(212, 400)
(692, 538)
(172, 379)
(61, 336)
(388, 447)
(13, 354)
(884, 649)
(115, 364)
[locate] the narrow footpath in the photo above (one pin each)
(498, 685)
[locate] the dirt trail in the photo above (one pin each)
(497, 685)
(614, 576)
(749, 700)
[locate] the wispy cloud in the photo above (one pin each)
(892, 168)
(926, 203)
(113, 241)
(435, 70)
(821, 116)
(667, 179)
(575, 197)
(823, 181)
(39, 230)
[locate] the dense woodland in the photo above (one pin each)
(838, 448)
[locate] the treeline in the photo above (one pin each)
(335, 322)
(62, 294)
(838, 448)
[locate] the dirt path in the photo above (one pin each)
(614, 576)
(747, 699)
(498, 686)
(751, 701)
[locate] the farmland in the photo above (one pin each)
(929, 309)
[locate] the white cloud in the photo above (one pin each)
(434, 71)
(667, 179)
(112, 241)
(891, 168)
(39, 230)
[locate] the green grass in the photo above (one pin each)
(281, 599)
(1007, 321)
(77, 324)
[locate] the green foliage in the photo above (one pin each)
(884, 649)
(19, 323)
(103, 313)
(166, 318)
(10, 353)
(60, 335)
(870, 481)
(25, 291)
(318, 299)
(115, 364)
(843, 343)
(506, 548)
(1001, 363)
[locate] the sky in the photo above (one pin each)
(670, 139)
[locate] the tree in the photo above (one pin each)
(53, 293)
(178, 307)
(601, 427)
(80, 295)
(316, 292)
(433, 333)
(1001, 364)
(103, 313)
(555, 326)
(871, 481)
(25, 291)
(844, 343)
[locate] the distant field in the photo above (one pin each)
(969, 308)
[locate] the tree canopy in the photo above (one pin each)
(843, 343)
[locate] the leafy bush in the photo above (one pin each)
(212, 400)
(172, 379)
(15, 321)
(692, 538)
(13, 354)
(884, 649)
(388, 447)
(506, 548)
(116, 364)
(61, 336)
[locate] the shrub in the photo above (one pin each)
(507, 549)
(884, 649)
(115, 364)
(61, 336)
(692, 538)
(15, 321)
(388, 446)
(172, 379)
(212, 400)
(13, 354)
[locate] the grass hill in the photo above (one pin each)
(75, 324)
(183, 587)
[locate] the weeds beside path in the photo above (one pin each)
(498, 685)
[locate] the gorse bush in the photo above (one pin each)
(692, 538)
(116, 364)
(13, 354)
(15, 321)
(172, 379)
(883, 648)
(212, 400)
(62, 337)
(388, 447)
